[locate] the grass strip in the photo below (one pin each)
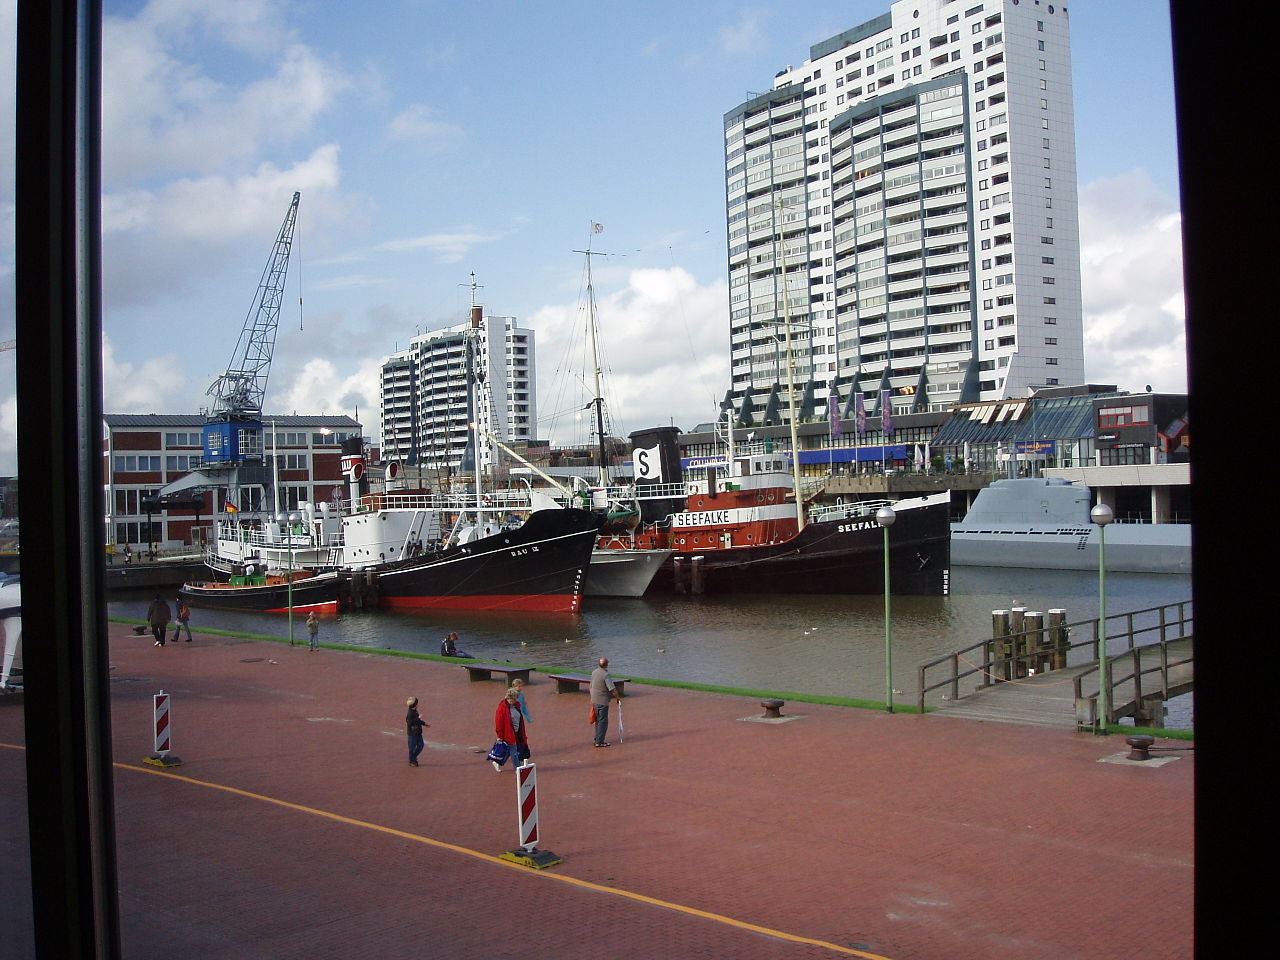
(790, 696)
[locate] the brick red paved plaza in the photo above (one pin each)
(296, 828)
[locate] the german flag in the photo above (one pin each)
(230, 507)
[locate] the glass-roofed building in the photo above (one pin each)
(1054, 428)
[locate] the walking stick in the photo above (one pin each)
(622, 736)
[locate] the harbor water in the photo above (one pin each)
(824, 645)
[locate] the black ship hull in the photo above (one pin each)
(828, 557)
(538, 567)
(321, 593)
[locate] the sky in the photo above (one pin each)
(432, 140)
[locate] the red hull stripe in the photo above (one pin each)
(330, 606)
(548, 603)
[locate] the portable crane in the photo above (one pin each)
(232, 435)
(233, 432)
(239, 392)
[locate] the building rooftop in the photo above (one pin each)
(190, 419)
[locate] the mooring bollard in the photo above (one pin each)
(527, 853)
(160, 721)
(772, 708)
(1140, 744)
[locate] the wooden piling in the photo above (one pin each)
(998, 648)
(1034, 647)
(1056, 633)
(1018, 642)
(680, 574)
(697, 576)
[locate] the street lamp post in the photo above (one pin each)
(885, 517)
(287, 520)
(1102, 515)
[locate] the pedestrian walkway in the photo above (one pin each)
(296, 828)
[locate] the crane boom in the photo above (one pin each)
(238, 394)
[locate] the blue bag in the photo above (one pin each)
(498, 752)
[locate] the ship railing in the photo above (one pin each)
(661, 491)
(846, 511)
(489, 502)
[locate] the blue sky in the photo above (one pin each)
(432, 139)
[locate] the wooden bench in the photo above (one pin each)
(572, 682)
(485, 671)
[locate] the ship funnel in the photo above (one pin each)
(655, 455)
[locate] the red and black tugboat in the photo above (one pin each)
(737, 529)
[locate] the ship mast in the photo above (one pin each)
(598, 397)
(791, 381)
(472, 339)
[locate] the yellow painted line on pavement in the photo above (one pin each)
(489, 858)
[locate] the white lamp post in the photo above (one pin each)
(287, 520)
(885, 517)
(1102, 515)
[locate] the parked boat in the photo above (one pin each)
(1044, 523)
(740, 532)
(622, 571)
(615, 570)
(407, 549)
(415, 548)
(321, 592)
(537, 565)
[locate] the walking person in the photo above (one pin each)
(158, 618)
(313, 631)
(509, 727)
(602, 691)
(183, 614)
(413, 727)
(518, 686)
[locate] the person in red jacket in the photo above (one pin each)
(509, 727)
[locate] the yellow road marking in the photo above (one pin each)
(499, 862)
(490, 858)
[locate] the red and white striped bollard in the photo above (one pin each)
(527, 853)
(160, 720)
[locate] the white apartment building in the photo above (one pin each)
(424, 391)
(915, 182)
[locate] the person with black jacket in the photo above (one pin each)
(413, 726)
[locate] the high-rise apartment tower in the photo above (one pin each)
(425, 389)
(914, 182)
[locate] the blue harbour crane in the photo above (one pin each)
(234, 430)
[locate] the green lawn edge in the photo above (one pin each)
(788, 695)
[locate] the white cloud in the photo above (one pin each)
(419, 123)
(1131, 278)
(321, 388)
(445, 247)
(664, 353)
(745, 36)
(162, 114)
(153, 386)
